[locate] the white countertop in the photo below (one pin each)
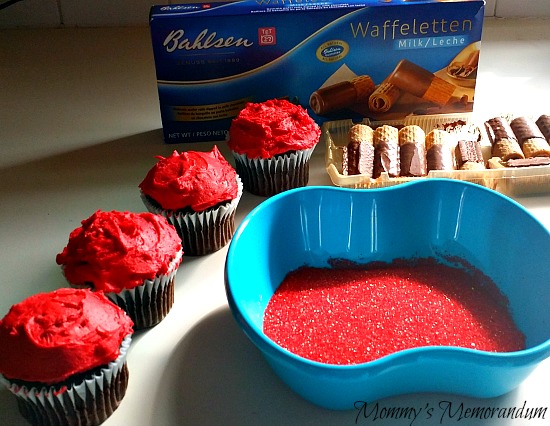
(79, 127)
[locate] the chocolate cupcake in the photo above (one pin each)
(272, 143)
(132, 257)
(198, 193)
(63, 356)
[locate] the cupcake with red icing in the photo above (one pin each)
(63, 356)
(197, 192)
(132, 257)
(272, 143)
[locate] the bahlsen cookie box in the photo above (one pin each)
(371, 59)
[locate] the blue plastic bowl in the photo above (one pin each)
(429, 218)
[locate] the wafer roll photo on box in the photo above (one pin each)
(342, 95)
(358, 155)
(439, 150)
(422, 83)
(412, 151)
(386, 151)
(384, 97)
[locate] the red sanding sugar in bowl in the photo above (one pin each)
(351, 315)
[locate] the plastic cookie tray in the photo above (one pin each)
(506, 180)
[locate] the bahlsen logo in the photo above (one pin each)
(206, 39)
(332, 51)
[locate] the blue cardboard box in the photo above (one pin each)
(381, 59)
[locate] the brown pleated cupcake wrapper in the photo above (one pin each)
(202, 232)
(89, 402)
(270, 176)
(149, 303)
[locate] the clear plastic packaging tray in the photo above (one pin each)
(507, 180)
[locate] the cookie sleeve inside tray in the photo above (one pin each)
(510, 181)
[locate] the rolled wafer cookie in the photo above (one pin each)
(466, 68)
(530, 137)
(412, 151)
(358, 155)
(439, 154)
(507, 149)
(384, 97)
(498, 129)
(386, 151)
(535, 147)
(342, 95)
(504, 143)
(420, 82)
(543, 123)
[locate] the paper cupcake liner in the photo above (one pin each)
(149, 303)
(270, 176)
(202, 232)
(89, 402)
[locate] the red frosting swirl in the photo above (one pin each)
(113, 251)
(263, 130)
(194, 179)
(52, 336)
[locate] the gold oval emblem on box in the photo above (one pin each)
(332, 51)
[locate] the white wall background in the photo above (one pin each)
(98, 13)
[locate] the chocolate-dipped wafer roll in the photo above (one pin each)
(468, 155)
(524, 128)
(386, 151)
(498, 128)
(341, 95)
(358, 156)
(420, 82)
(439, 154)
(530, 138)
(412, 151)
(384, 97)
(504, 142)
(543, 123)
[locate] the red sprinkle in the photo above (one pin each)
(355, 315)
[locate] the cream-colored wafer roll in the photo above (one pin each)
(384, 97)
(386, 151)
(411, 134)
(384, 134)
(535, 147)
(437, 137)
(507, 149)
(412, 151)
(361, 133)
